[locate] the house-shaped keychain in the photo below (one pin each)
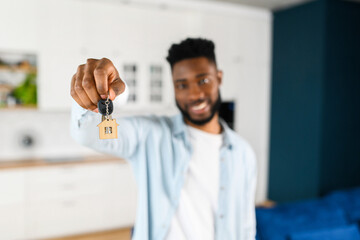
(108, 129)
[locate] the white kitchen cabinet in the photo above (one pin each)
(51, 218)
(12, 225)
(11, 187)
(66, 200)
(135, 34)
(59, 51)
(138, 37)
(114, 215)
(61, 200)
(66, 216)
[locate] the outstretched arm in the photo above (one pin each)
(90, 83)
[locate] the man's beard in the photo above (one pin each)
(214, 109)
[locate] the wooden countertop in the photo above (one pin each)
(116, 234)
(44, 162)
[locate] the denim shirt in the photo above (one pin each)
(159, 150)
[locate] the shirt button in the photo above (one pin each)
(221, 216)
(222, 188)
(222, 159)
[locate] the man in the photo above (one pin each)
(196, 177)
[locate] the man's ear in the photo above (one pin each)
(219, 76)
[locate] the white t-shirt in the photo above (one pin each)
(195, 216)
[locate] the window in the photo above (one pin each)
(130, 74)
(156, 86)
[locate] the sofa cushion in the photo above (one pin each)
(278, 222)
(348, 200)
(340, 233)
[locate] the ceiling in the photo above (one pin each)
(268, 4)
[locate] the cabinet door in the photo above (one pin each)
(49, 218)
(59, 51)
(12, 224)
(119, 197)
(78, 199)
(63, 200)
(11, 204)
(67, 216)
(11, 186)
(54, 183)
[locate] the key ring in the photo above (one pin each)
(107, 107)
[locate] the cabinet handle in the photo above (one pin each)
(69, 203)
(68, 186)
(68, 168)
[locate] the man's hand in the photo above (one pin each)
(96, 80)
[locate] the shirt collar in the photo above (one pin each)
(227, 134)
(180, 125)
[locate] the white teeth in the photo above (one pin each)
(200, 106)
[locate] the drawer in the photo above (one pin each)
(61, 190)
(97, 171)
(47, 184)
(11, 187)
(78, 199)
(120, 209)
(64, 217)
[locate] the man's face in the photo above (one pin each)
(196, 84)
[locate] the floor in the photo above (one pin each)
(117, 234)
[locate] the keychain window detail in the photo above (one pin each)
(108, 130)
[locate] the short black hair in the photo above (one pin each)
(191, 48)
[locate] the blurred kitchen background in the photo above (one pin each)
(291, 87)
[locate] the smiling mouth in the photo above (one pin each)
(199, 108)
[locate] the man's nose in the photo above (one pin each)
(195, 92)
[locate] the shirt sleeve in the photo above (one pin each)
(251, 231)
(83, 128)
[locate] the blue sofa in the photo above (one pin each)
(335, 216)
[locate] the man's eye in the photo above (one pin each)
(181, 86)
(204, 81)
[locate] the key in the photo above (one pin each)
(108, 126)
(102, 106)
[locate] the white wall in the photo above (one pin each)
(64, 33)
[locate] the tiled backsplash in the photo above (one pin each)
(32, 134)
